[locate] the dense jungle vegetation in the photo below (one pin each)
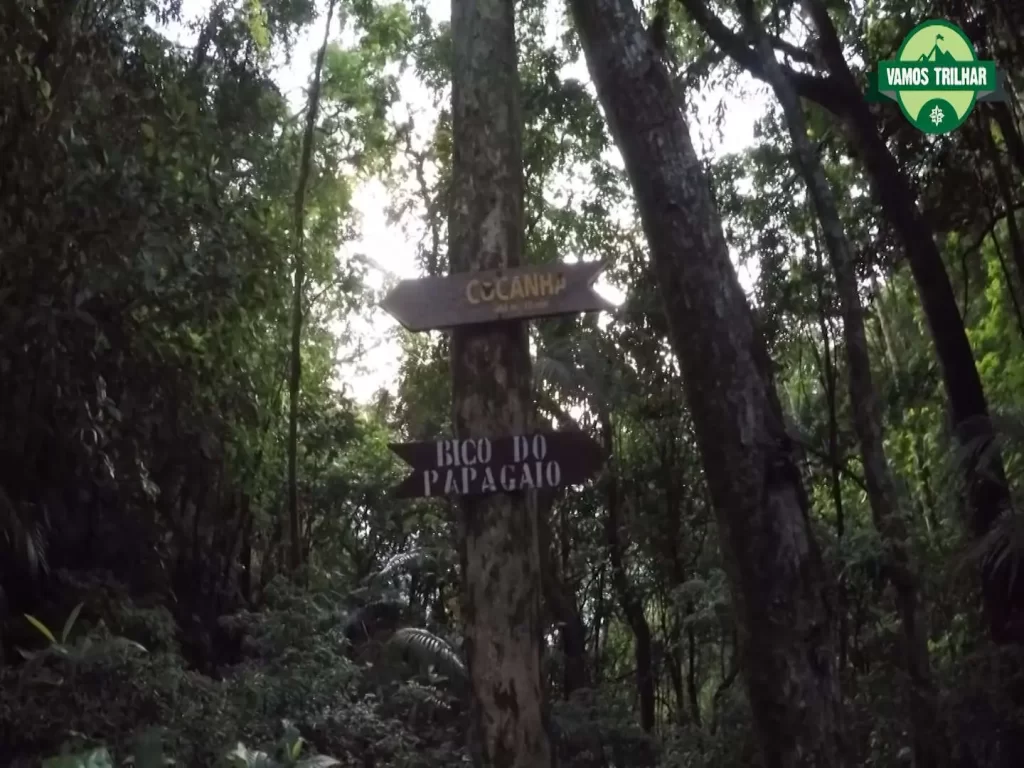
(201, 562)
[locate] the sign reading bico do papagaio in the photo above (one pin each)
(468, 298)
(936, 78)
(479, 466)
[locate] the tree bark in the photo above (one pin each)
(1004, 183)
(491, 393)
(867, 415)
(987, 490)
(1003, 116)
(776, 576)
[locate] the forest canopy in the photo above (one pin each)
(803, 545)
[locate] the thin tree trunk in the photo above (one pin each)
(829, 379)
(987, 490)
(776, 575)
(562, 608)
(295, 370)
(599, 624)
(492, 394)
(672, 531)
(867, 416)
(246, 559)
(1005, 186)
(630, 602)
(691, 672)
(1008, 277)
(988, 493)
(674, 664)
(1003, 116)
(885, 332)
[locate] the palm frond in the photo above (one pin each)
(430, 650)
(424, 695)
(403, 561)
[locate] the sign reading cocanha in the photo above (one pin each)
(478, 466)
(469, 298)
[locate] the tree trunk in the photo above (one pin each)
(630, 602)
(1005, 185)
(987, 490)
(295, 367)
(691, 672)
(561, 607)
(1003, 116)
(776, 576)
(829, 380)
(599, 625)
(491, 393)
(867, 415)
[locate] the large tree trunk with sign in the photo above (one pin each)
(775, 570)
(491, 391)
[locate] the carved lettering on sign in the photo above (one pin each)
(532, 285)
(474, 466)
(468, 298)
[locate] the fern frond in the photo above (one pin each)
(412, 558)
(430, 650)
(421, 694)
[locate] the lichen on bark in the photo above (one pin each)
(492, 393)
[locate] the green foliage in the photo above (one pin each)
(146, 206)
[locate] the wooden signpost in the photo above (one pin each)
(478, 466)
(469, 298)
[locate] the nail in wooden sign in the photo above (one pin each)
(468, 298)
(479, 466)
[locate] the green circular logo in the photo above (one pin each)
(936, 77)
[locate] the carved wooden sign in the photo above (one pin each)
(468, 298)
(478, 466)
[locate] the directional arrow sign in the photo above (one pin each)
(478, 466)
(468, 298)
